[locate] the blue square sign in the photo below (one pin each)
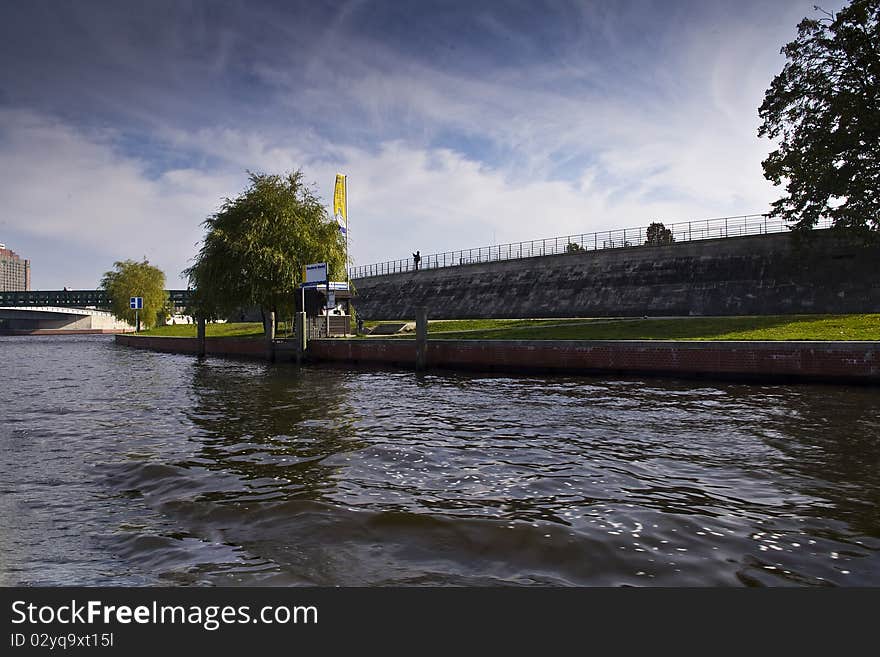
(136, 302)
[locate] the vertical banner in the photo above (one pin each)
(340, 207)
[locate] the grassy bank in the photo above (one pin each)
(774, 327)
(771, 327)
(228, 330)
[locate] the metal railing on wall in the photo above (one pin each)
(683, 231)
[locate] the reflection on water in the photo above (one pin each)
(127, 467)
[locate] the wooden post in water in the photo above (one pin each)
(301, 337)
(200, 334)
(421, 338)
(269, 330)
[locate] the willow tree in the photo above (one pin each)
(257, 246)
(137, 279)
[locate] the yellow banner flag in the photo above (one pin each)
(339, 201)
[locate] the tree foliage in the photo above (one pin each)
(137, 279)
(257, 246)
(824, 111)
(658, 235)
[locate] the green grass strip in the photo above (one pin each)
(227, 330)
(770, 327)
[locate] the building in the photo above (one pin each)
(15, 272)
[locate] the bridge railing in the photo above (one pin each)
(76, 298)
(684, 231)
(73, 309)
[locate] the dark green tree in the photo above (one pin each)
(137, 279)
(824, 111)
(658, 235)
(257, 246)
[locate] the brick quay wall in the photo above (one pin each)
(240, 347)
(829, 362)
(832, 362)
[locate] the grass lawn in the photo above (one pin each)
(771, 327)
(228, 330)
(446, 325)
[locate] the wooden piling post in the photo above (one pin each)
(301, 337)
(200, 334)
(421, 338)
(269, 330)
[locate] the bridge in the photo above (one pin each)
(76, 298)
(54, 319)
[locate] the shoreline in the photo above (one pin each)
(21, 332)
(848, 362)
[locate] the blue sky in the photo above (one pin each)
(124, 125)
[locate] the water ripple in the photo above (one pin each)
(128, 467)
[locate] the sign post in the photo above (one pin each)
(316, 273)
(136, 303)
(327, 304)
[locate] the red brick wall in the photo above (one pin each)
(832, 361)
(213, 346)
(819, 361)
(369, 351)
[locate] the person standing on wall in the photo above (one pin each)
(417, 259)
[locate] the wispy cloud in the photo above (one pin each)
(458, 128)
(74, 188)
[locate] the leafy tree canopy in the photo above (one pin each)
(658, 235)
(137, 279)
(824, 111)
(257, 246)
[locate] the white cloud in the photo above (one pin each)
(59, 182)
(571, 149)
(403, 199)
(681, 127)
(63, 184)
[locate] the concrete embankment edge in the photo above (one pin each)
(832, 362)
(61, 331)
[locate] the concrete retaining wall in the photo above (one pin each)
(758, 275)
(62, 331)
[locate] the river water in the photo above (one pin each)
(127, 467)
